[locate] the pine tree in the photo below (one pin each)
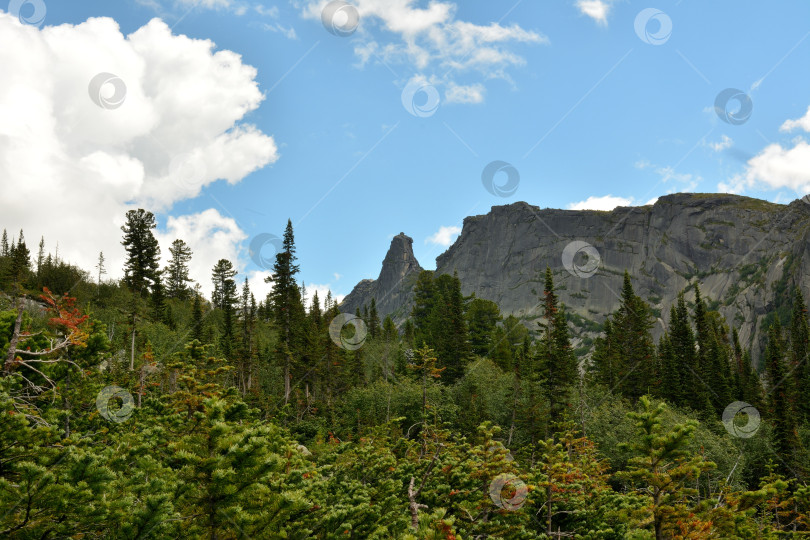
(285, 303)
(177, 278)
(662, 469)
(4, 246)
(224, 285)
(558, 364)
(141, 265)
(143, 251)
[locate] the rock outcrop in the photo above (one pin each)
(746, 254)
(393, 289)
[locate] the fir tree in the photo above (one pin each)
(285, 303)
(482, 318)
(424, 303)
(558, 364)
(224, 298)
(373, 320)
(177, 278)
(197, 319)
(625, 358)
(4, 246)
(781, 410)
(799, 361)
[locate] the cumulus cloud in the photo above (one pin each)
(210, 236)
(606, 202)
(432, 41)
(776, 167)
(801, 123)
(322, 291)
(71, 168)
(444, 236)
(598, 10)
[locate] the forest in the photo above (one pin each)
(155, 407)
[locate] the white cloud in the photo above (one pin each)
(642, 164)
(776, 167)
(322, 291)
(473, 93)
(271, 11)
(598, 10)
(70, 169)
(801, 123)
(606, 202)
(444, 236)
(210, 236)
(286, 31)
(211, 4)
(431, 40)
(337, 276)
(724, 144)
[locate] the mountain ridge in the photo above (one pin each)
(744, 252)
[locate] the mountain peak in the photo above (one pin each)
(399, 271)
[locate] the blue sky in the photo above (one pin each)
(588, 113)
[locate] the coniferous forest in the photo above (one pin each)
(153, 407)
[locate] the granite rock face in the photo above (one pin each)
(746, 254)
(393, 289)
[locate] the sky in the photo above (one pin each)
(358, 121)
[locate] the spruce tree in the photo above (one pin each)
(4, 246)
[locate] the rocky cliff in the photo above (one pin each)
(393, 289)
(746, 254)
